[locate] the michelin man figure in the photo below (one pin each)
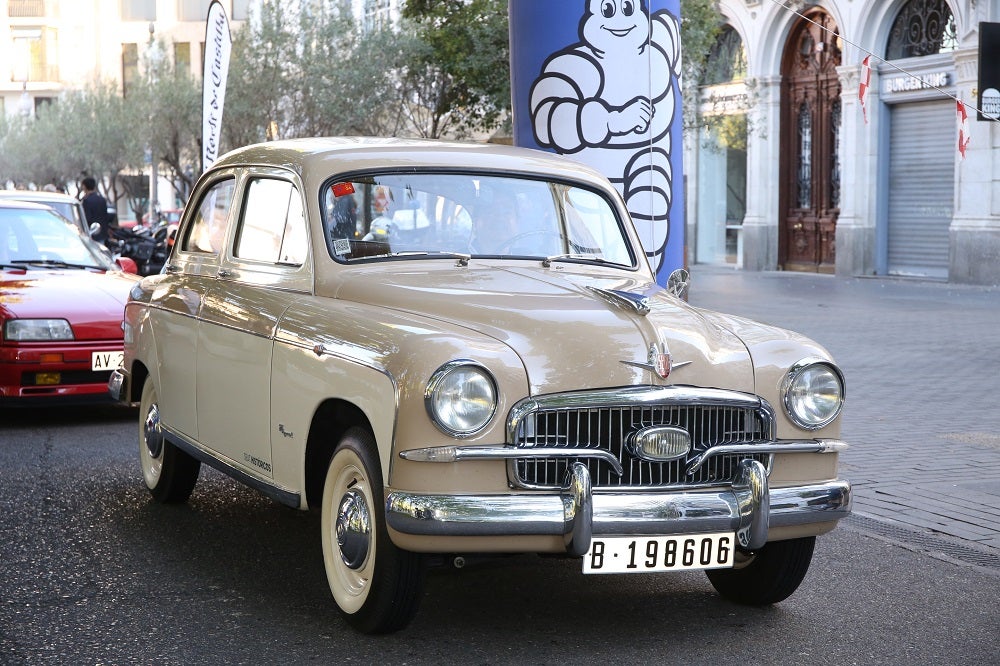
(609, 101)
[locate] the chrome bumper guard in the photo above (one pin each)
(117, 385)
(748, 508)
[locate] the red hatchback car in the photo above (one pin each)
(61, 307)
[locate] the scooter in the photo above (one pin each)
(146, 246)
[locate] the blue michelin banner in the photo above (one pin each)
(598, 81)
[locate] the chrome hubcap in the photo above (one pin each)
(353, 529)
(152, 433)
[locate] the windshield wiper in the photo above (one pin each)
(55, 264)
(574, 256)
(463, 259)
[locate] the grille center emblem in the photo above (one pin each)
(658, 361)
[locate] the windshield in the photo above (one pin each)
(42, 237)
(432, 214)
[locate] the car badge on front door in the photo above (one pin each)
(658, 361)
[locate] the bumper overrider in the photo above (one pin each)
(748, 507)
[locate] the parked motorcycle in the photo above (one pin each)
(147, 246)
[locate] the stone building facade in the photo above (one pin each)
(793, 172)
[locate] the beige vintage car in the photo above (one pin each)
(460, 349)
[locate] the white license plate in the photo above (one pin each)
(662, 553)
(106, 360)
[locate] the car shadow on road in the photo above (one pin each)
(233, 547)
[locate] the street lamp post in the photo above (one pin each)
(153, 172)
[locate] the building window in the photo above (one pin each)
(192, 10)
(377, 15)
(130, 67)
(138, 10)
(804, 180)
(922, 27)
(31, 48)
(41, 102)
(26, 8)
(182, 57)
(727, 61)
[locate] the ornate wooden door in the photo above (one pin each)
(810, 126)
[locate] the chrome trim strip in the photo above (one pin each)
(450, 454)
(282, 495)
(780, 446)
(613, 513)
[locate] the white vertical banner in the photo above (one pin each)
(218, 47)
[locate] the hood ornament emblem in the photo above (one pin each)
(637, 303)
(659, 361)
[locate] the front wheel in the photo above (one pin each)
(170, 473)
(376, 585)
(770, 576)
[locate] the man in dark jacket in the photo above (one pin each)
(95, 207)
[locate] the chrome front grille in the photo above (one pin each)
(604, 420)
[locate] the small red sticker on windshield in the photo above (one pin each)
(341, 189)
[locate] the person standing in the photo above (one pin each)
(95, 207)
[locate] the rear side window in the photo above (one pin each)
(207, 231)
(273, 227)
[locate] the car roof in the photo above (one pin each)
(321, 157)
(18, 204)
(38, 195)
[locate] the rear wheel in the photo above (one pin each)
(376, 585)
(771, 574)
(170, 473)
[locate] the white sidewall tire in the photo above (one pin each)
(152, 467)
(350, 587)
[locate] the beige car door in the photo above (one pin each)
(262, 271)
(190, 272)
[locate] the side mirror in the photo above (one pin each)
(678, 283)
(94, 228)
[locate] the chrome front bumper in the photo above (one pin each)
(748, 508)
(118, 386)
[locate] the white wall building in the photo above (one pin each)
(810, 185)
(47, 46)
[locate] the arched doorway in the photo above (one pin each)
(810, 125)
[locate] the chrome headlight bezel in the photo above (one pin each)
(37, 330)
(449, 387)
(800, 387)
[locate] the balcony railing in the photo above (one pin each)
(25, 8)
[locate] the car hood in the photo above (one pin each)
(562, 328)
(93, 303)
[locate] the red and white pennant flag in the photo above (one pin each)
(963, 129)
(866, 80)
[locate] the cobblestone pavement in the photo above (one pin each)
(922, 361)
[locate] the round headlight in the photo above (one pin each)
(813, 394)
(461, 398)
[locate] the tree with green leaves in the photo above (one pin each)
(86, 132)
(171, 99)
(467, 58)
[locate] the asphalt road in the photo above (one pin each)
(93, 572)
